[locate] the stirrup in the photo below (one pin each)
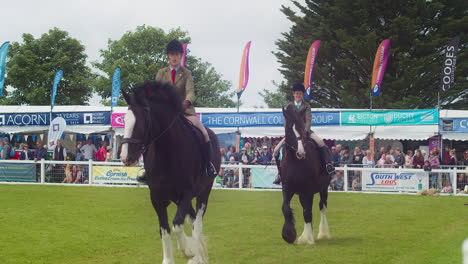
(330, 169)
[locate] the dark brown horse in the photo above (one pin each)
(302, 174)
(155, 127)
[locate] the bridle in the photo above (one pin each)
(144, 143)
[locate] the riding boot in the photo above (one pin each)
(210, 168)
(326, 158)
(277, 181)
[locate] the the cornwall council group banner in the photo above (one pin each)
(114, 174)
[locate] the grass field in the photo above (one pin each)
(61, 224)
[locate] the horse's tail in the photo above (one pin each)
(289, 230)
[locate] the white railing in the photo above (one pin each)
(347, 171)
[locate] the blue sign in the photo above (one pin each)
(57, 78)
(116, 83)
(325, 119)
(18, 172)
(42, 119)
(453, 125)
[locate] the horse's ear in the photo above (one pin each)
(126, 97)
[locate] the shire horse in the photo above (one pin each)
(302, 174)
(173, 162)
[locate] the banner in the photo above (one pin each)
(3, 55)
(394, 181)
(184, 56)
(56, 129)
(264, 177)
(18, 172)
(448, 67)
(42, 119)
(434, 142)
(244, 70)
(380, 63)
(57, 78)
(116, 83)
(113, 174)
(309, 68)
(390, 118)
(453, 125)
(118, 120)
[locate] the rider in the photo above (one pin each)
(181, 79)
(325, 154)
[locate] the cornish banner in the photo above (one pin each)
(57, 78)
(3, 54)
(244, 70)
(380, 63)
(114, 174)
(115, 87)
(309, 68)
(395, 181)
(184, 56)
(449, 65)
(390, 118)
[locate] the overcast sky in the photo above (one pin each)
(219, 30)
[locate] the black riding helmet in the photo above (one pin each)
(174, 46)
(298, 87)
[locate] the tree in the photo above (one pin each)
(32, 66)
(140, 54)
(351, 32)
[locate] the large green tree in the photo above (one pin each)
(32, 66)
(140, 54)
(351, 31)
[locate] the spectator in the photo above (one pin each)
(109, 153)
(381, 162)
(265, 156)
(231, 174)
(358, 156)
(248, 148)
(465, 158)
(345, 157)
(88, 150)
(26, 153)
(446, 156)
(77, 175)
(6, 149)
(335, 156)
(222, 151)
(447, 187)
(78, 154)
(368, 160)
(453, 158)
(68, 175)
(337, 182)
(418, 160)
(357, 185)
(244, 157)
(409, 159)
(40, 153)
(434, 160)
(390, 155)
(399, 158)
(378, 155)
(232, 153)
(60, 153)
(427, 167)
(255, 158)
(461, 182)
(338, 149)
(101, 153)
(388, 162)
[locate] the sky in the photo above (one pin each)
(219, 30)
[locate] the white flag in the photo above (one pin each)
(56, 128)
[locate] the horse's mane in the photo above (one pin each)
(154, 93)
(292, 117)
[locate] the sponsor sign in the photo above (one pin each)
(17, 172)
(390, 118)
(118, 120)
(114, 174)
(42, 119)
(395, 181)
(453, 125)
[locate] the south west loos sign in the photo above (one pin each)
(391, 181)
(42, 119)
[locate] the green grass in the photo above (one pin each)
(61, 224)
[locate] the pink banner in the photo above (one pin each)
(118, 120)
(380, 63)
(244, 70)
(309, 68)
(434, 142)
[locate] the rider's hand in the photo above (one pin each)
(186, 104)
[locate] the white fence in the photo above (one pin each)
(238, 176)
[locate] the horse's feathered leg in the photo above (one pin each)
(324, 232)
(161, 209)
(289, 231)
(184, 242)
(307, 236)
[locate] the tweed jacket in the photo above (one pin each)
(183, 84)
(308, 114)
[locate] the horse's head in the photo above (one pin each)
(295, 129)
(148, 101)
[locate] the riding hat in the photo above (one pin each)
(174, 46)
(298, 87)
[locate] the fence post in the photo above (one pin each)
(90, 171)
(42, 171)
(454, 180)
(241, 176)
(345, 177)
